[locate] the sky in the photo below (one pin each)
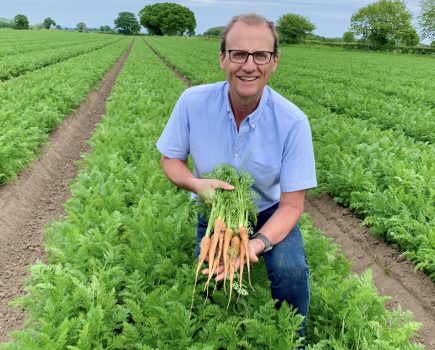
(331, 17)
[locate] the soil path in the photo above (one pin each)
(393, 275)
(28, 204)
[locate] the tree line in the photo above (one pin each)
(381, 23)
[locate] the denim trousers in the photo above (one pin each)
(286, 266)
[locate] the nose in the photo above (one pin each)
(249, 64)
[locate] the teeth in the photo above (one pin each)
(248, 78)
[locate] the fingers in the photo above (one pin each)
(224, 185)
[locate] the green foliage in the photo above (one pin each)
(426, 20)
(47, 95)
(48, 22)
(349, 37)
(126, 23)
(214, 31)
(21, 22)
(7, 23)
(81, 27)
(167, 19)
(292, 28)
(105, 29)
(385, 22)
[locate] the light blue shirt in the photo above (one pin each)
(273, 143)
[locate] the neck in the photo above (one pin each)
(241, 109)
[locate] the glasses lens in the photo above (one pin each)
(262, 57)
(238, 56)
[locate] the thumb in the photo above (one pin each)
(253, 257)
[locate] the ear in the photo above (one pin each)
(275, 61)
(222, 60)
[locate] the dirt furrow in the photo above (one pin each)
(36, 197)
(393, 275)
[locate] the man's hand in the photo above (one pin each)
(205, 187)
(255, 248)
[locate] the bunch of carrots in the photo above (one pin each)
(229, 215)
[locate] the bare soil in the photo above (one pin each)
(393, 275)
(36, 197)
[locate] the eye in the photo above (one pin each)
(239, 54)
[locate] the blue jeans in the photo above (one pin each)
(286, 265)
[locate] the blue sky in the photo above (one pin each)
(331, 17)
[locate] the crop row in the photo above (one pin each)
(120, 270)
(15, 42)
(16, 65)
(394, 92)
(32, 105)
(383, 175)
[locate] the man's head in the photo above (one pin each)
(250, 19)
(249, 54)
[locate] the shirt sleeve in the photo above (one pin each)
(174, 142)
(298, 171)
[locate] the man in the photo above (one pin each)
(245, 123)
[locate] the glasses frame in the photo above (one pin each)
(250, 54)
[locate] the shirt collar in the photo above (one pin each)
(255, 114)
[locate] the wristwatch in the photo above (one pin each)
(267, 245)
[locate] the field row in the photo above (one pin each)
(383, 175)
(16, 65)
(39, 101)
(120, 270)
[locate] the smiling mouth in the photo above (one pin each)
(247, 78)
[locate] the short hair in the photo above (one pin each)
(251, 19)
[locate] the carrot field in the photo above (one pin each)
(119, 269)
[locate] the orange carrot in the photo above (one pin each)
(204, 248)
(243, 232)
(233, 251)
(242, 254)
(227, 240)
(219, 225)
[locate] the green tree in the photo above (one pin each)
(167, 19)
(105, 29)
(126, 23)
(21, 22)
(48, 22)
(214, 31)
(383, 22)
(81, 26)
(348, 37)
(293, 28)
(426, 20)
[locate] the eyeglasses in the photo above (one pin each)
(240, 56)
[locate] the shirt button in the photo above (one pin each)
(236, 155)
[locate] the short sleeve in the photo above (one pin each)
(174, 140)
(298, 170)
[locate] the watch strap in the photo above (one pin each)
(267, 245)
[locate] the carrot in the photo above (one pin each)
(219, 225)
(233, 251)
(204, 248)
(242, 254)
(243, 232)
(226, 245)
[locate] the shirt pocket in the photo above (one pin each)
(265, 175)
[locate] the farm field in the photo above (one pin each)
(43, 93)
(383, 173)
(119, 270)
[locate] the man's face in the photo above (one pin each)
(248, 79)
